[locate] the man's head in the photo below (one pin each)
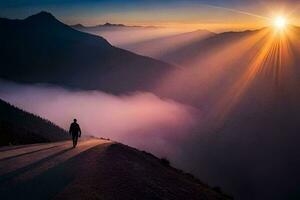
(75, 120)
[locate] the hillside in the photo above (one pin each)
(42, 49)
(160, 47)
(201, 47)
(154, 42)
(20, 127)
(96, 169)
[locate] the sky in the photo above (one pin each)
(188, 14)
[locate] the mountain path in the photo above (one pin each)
(95, 169)
(42, 167)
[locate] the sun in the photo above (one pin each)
(280, 22)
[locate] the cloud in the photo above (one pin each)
(139, 119)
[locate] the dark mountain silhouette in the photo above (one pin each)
(78, 26)
(20, 127)
(42, 49)
(109, 24)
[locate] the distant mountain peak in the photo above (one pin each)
(77, 26)
(41, 15)
(203, 31)
(44, 13)
(110, 24)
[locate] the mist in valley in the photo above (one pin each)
(139, 119)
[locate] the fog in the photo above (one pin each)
(128, 118)
(129, 35)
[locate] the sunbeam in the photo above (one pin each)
(272, 61)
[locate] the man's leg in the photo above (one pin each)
(74, 138)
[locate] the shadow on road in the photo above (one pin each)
(34, 151)
(46, 185)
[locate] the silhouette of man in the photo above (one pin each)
(75, 131)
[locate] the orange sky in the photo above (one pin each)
(188, 15)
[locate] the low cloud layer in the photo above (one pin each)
(139, 119)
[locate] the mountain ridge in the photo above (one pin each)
(41, 49)
(107, 25)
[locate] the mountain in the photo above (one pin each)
(108, 27)
(201, 47)
(161, 47)
(42, 49)
(20, 127)
(121, 34)
(155, 42)
(77, 26)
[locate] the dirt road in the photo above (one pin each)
(95, 169)
(41, 171)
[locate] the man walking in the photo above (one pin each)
(75, 131)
